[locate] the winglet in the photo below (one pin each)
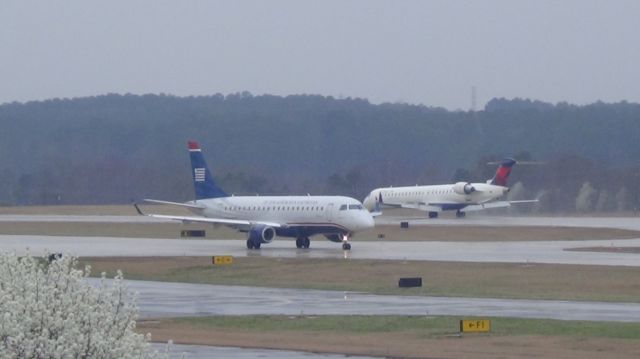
(138, 209)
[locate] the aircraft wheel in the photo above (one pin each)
(306, 242)
(460, 214)
(346, 246)
(253, 245)
(299, 242)
(433, 214)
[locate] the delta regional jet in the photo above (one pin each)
(461, 197)
(265, 217)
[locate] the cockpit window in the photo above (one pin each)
(343, 207)
(355, 206)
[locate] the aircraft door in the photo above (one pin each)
(329, 212)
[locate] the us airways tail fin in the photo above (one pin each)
(203, 182)
(503, 172)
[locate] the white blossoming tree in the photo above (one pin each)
(49, 310)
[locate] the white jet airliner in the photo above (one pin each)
(265, 217)
(461, 197)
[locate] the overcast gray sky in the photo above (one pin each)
(428, 52)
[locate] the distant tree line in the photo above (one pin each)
(117, 148)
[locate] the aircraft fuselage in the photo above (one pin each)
(301, 215)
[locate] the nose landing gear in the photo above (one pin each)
(345, 243)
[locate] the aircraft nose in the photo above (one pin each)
(367, 221)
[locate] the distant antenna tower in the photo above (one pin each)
(473, 98)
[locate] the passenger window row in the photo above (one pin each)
(273, 208)
(418, 193)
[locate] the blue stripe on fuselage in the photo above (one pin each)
(296, 231)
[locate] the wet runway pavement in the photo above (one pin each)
(157, 299)
(505, 252)
(207, 352)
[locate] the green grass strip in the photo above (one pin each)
(424, 326)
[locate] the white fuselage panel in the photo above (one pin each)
(435, 195)
(290, 210)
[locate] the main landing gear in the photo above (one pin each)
(460, 214)
(253, 245)
(303, 242)
(433, 214)
(345, 243)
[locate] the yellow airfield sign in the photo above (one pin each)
(222, 260)
(475, 325)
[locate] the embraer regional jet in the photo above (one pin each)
(461, 197)
(265, 217)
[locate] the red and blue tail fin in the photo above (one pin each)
(503, 172)
(203, 182)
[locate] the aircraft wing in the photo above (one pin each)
(174, 203)
(427, 207)
(496, 204)
(231, 222)
(525, 201)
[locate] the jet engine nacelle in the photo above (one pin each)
(262, 234)
(463, 188)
